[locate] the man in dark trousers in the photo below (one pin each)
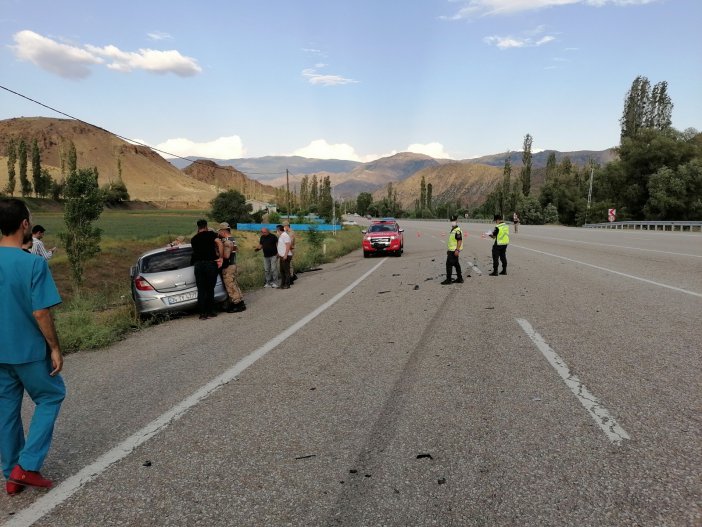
(499, 248)
(454, 246)
(268, 243)
(30, 354)
(207, 259)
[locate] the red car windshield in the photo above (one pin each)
(383, 227)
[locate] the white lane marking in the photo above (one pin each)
(679, 289)
(609, 245)
(70, 486)
(599, 413)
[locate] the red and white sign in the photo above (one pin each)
(611, 214)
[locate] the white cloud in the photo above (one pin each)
(66, 61)
(74, 62)
(151, 60)
(503, 7)
(159, 35)
(222, 148)
(435, 150)
(508, 42)
(320, 149)
(314, 77)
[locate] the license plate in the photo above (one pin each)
(176, 299)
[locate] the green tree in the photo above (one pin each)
(363, 201)
(676, 193)
(36, 169)
(305, 193)
(551, 166)
(506, 183)
(422, 194)
(314, 191)
(636, 107)
(72, 158)
(550, 214)
(526, 164)
(230, 206)
(430, 190)
(326, 204)
(11, 153)
(82, 208)
(25, 185)
(115, 193)
(45, 183)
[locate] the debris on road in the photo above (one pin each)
(424, 456)
(382, 292)
(146, 463)
(306, 457)
(416, 287)
(442, 481)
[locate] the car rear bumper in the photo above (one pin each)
(154, 302)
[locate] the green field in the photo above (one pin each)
(130, 225)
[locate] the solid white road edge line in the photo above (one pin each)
(599, 413)
(679, 289)
(550, 238)
(70, 486)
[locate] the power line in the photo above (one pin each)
(132, 141)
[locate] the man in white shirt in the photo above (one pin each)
(284, 256)
(38, 245)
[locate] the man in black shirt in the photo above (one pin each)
(206, 258)
(268, 242)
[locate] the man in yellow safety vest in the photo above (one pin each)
(499, 248)
(455, 244)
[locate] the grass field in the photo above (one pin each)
(102, 312)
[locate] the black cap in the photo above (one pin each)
(454, 217)
(38, 228)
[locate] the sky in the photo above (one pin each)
(350, 79)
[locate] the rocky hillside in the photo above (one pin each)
(227, 177)
(468, 183)
(147, 175)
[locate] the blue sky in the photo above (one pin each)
(350, 79)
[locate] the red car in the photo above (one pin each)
(383, 236)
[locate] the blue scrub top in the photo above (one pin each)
(26, 285)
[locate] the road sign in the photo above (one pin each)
(611, 212)
(611, 217)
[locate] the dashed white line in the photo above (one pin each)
(645, 280)
(70, 486)
(599, 413)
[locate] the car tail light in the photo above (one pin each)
(142, 285)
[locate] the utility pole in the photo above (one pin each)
(589, 194)
(287, 189)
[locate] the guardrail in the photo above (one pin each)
(293, 226)
(671, 226)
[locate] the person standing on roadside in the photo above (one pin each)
(284, 248)
(30, 353)
(454, 246)
(291, 233)
(207, 259)
(268, 243)
(499, 248)
(38, 245)
(229, 250)
(515, 220)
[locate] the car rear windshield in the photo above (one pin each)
(390, 227)
(170, 260)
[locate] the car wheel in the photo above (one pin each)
(366, 254)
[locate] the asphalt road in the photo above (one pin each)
(565, 393)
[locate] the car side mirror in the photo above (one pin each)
(132, 271)
(364, 232)
(402, 230)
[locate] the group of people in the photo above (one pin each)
(214, 252)
(499, 248)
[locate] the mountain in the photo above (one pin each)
(228, 177)
(272, 167)
(538, 159)
(468, 183)
(147, 175)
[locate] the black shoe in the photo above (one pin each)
(203, 317)
(504, 271)
(212, 315)
(237, 308)
(494, 273)
(447, 282)
(459, 281)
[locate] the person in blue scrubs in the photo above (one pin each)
(30, 354)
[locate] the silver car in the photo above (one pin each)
(164, 281)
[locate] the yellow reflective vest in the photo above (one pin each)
(452, 242)
(502, 234)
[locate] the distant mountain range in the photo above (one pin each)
(149, 177)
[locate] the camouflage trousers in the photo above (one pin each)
(231, 285)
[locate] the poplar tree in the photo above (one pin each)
(25, 185)
(430, 188)
(636, 107)
(36, 169)
(506, 184)
(526, 164)
(551, 166)
(72, 158)
(314, 191)
(422, 194)
(11, 153)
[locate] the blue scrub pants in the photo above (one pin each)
(47, 393)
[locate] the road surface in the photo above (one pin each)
(565, 393)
